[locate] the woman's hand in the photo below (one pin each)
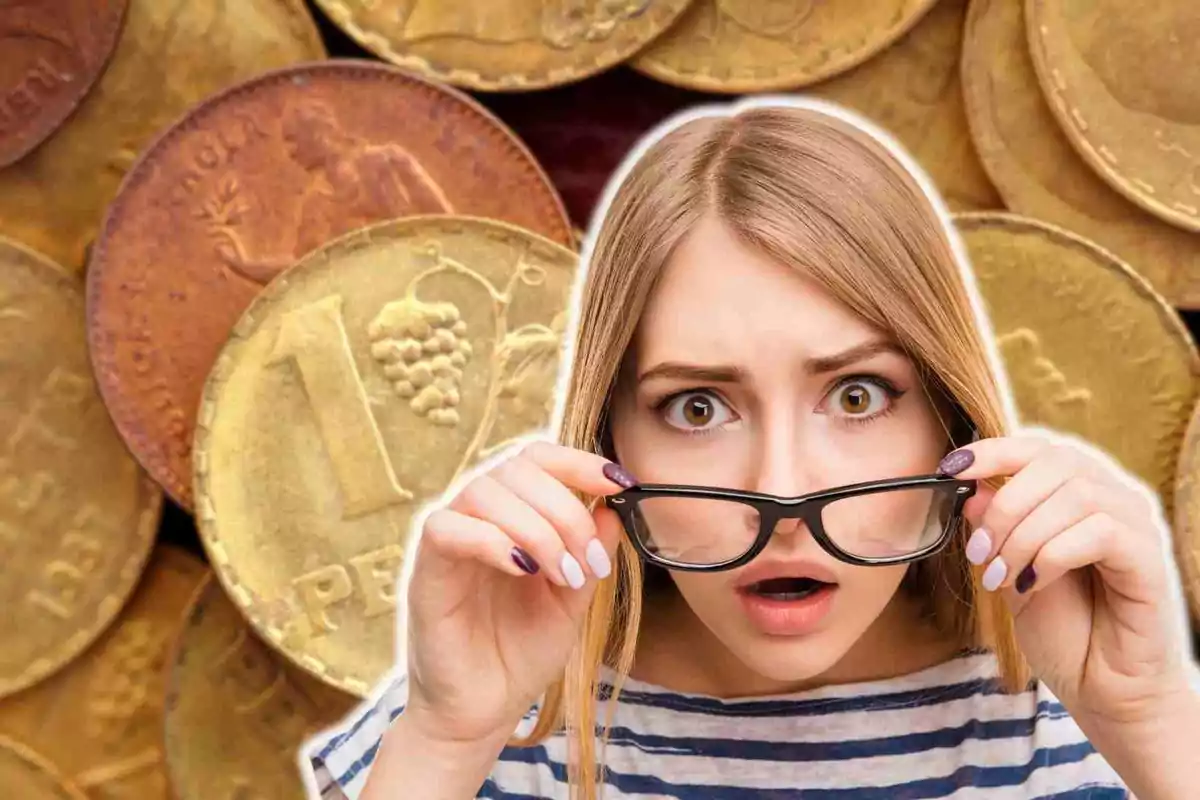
(502, 578)
(1081, 553)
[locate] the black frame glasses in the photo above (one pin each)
(771, 509)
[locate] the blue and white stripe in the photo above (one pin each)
(943, 732)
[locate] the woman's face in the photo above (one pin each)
(747, 376)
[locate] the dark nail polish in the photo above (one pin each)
(1026, 579)
(956, 462)
(524, 560)
(619, 475)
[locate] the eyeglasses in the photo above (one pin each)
(877, 523)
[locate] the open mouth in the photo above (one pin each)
(787, 589)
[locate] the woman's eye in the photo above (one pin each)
(697, 410)
(860, 398)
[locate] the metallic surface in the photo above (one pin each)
(1039, 174)
(756, 45)
(28, 775)
(1089, 347)
(505, 45)
(250, 181)
(171, 54)
(912, 91)
(1123, 81)
(53, 54)
(100, 719)
(237, 713)
(77, 515)
(354, 390)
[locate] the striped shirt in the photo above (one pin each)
(942, 732)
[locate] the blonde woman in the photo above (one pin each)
(787, 544)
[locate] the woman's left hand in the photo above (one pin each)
(1081, 553)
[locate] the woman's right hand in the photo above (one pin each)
(485, 636)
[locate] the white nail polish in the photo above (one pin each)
(572, 571)
(597, 559)
(993, 576)
(978, 546)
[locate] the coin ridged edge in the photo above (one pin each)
(123, 409)
(111, 33)
(207, 524)
(705, 81)
(381, 46)
(129, 574)
(1073, 120)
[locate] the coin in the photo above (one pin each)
(1123, 81)
(171, 54)
(353, 390)
(77, 515)
(249, 181)
(237, 714)
(53, 54)
(26, 774)
(1037, 172)
(912, 90)
(100, 719)
(1187, 513)
(756, 45)
(505, 45)
(1089, 347)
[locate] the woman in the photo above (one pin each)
(773, 306)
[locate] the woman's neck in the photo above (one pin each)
(899, 642)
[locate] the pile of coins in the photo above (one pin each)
(274, 273)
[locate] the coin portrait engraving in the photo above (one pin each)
(77, 515)
(368, 377)
(557, 23)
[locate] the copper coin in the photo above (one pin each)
(248, 182)
(53, 54)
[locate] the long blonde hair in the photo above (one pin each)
(808, 188)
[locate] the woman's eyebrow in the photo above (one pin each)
(818, 365)
(709, 373)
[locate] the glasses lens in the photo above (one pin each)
(695, 531)
(888, 524)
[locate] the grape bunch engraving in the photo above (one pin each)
(421, 348)
(122, 686)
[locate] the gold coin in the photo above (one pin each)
(27, 775)
(77, 514)
(237, 713)
(758, 45)
(1089, 347)
(1038, 173)
(100, 719)
(172, 54)
(505, 45)
(1187, 513)
(1123, 81)
(912, 91)
(354, 389)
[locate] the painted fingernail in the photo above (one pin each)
(1025, 579)
(572, 572)
(993, 576)
(524, 560)
(956, 462)
(619, 475)
(978, 546)
(597, 559)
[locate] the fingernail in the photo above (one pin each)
(978, 546)
(1025, 579)
(524, 560)
(619, 475)
(572, 572)
(597, 559)
(993, 576)
(956, 462)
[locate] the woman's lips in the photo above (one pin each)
(778, 617)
